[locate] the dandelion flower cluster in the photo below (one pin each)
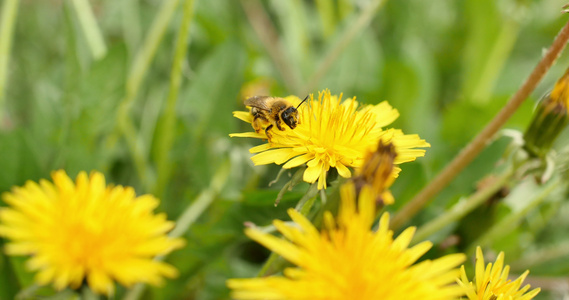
(347, 260)
(492, 283)
(87, 231)
(332, 133)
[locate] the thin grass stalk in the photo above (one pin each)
(493, 66)
(166, 129)
(327, 16)
(90, 28)
(131, 24)
(349, 34)
(471, 151)
(124, 124)
(265, 30)
(7, 22)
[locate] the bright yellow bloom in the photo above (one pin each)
(332, 133)
(84, 230)
(492, 283)
(347, 260)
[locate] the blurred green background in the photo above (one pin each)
(105, 96)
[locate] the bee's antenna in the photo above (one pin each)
(302, 101)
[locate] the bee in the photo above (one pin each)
(273, 111)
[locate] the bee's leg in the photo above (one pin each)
(278, 123)
(267, 131)
(257, 124)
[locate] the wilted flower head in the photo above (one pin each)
(378, 172)
(332, 134)
(492, 283)
(347, 260)
(87, 231)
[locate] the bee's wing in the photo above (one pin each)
(260, 102)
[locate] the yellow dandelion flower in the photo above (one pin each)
(85, 230)
(332, 133)
(492, 283)
(347, 260)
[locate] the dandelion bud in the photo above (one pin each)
(378, 173)
(550, 118)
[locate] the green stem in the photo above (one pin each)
(303, 206)
(296, 178)
(87, 294)
(507, 224)
(130, 17)
(497, 58)
(265, 30)
(327, 16)
(90, 28)
(166, 129)
(138, 71)
(273, 258)
(204, 200)
(462, 208)
(189, 216)
(9, 14)
(347, 36)
(474, 148)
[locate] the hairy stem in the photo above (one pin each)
(462, 208)
(468, 153)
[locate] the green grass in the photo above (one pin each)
(143, 91)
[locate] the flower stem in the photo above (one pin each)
(90, 28)
(462, 208)
(303, 206)
(166, 128)
(87, 294)
(472, 150)
(306, 202)
(503, 227)
(348, 35)
(9, 14)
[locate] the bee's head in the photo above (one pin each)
(290, 117)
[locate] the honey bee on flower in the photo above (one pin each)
(331, 133)
(271, 112)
